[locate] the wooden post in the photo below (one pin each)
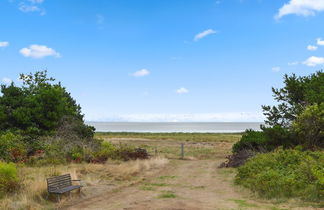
(182, 150)
(155, 151)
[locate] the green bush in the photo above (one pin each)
(8, 178)
(12, 148)
(111, 151)
(107, 150)
(77, 156)
(50, 154)
(123, 152)
(266, 140)
(285, 174)
(279, 136)
(251, 140)
(309, 127)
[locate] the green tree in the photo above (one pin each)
(38, 106)
(294, 97)
(309, 126)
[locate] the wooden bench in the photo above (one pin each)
(61, 184)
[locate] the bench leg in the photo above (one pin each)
(58, 198)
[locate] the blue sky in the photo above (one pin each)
(170, 60)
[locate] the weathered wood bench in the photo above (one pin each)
(61, 184)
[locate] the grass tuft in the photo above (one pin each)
(147, 188)
(167, 194)
(167, 177)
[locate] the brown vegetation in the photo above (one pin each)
(33, 192)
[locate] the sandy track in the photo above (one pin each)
(195, 184)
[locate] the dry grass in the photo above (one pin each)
(33, 187)
(183, 137)
(126, 170)
(33, 179)
(123, 171)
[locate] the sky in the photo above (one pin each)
(170, 60)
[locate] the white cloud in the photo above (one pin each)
(320, 42)
(28, 8)
(294, 63)
(6, 80)
(312, 47)
(4, 44)
(204, 34)
(38, 51)
(141, 73)
(301, 7)
(276, 69)
(31, 6)
(182, 90)
(314, 61)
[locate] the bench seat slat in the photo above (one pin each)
(63, 181)
(65, 189)
(58, 178)
(59, 184)
(53, 182)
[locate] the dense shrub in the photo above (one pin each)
(67, 143)
(62, 149)
(237, 159)
(279, 136)
(298, 119)
(285, 173)
(127, 152)
(72, 127)
(51, 154)
(266, 140)
(107, 150)
(119, 152)
(12, 148)
(8, 178)
(123, 150)
(251, 140)
(41, 109)
(309, 127)
(138, 153)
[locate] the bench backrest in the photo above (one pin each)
(58, 182)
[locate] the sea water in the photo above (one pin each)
(171, 127)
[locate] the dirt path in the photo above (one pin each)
(184, 184)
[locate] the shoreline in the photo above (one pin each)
(175, 127)
(166, 132)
